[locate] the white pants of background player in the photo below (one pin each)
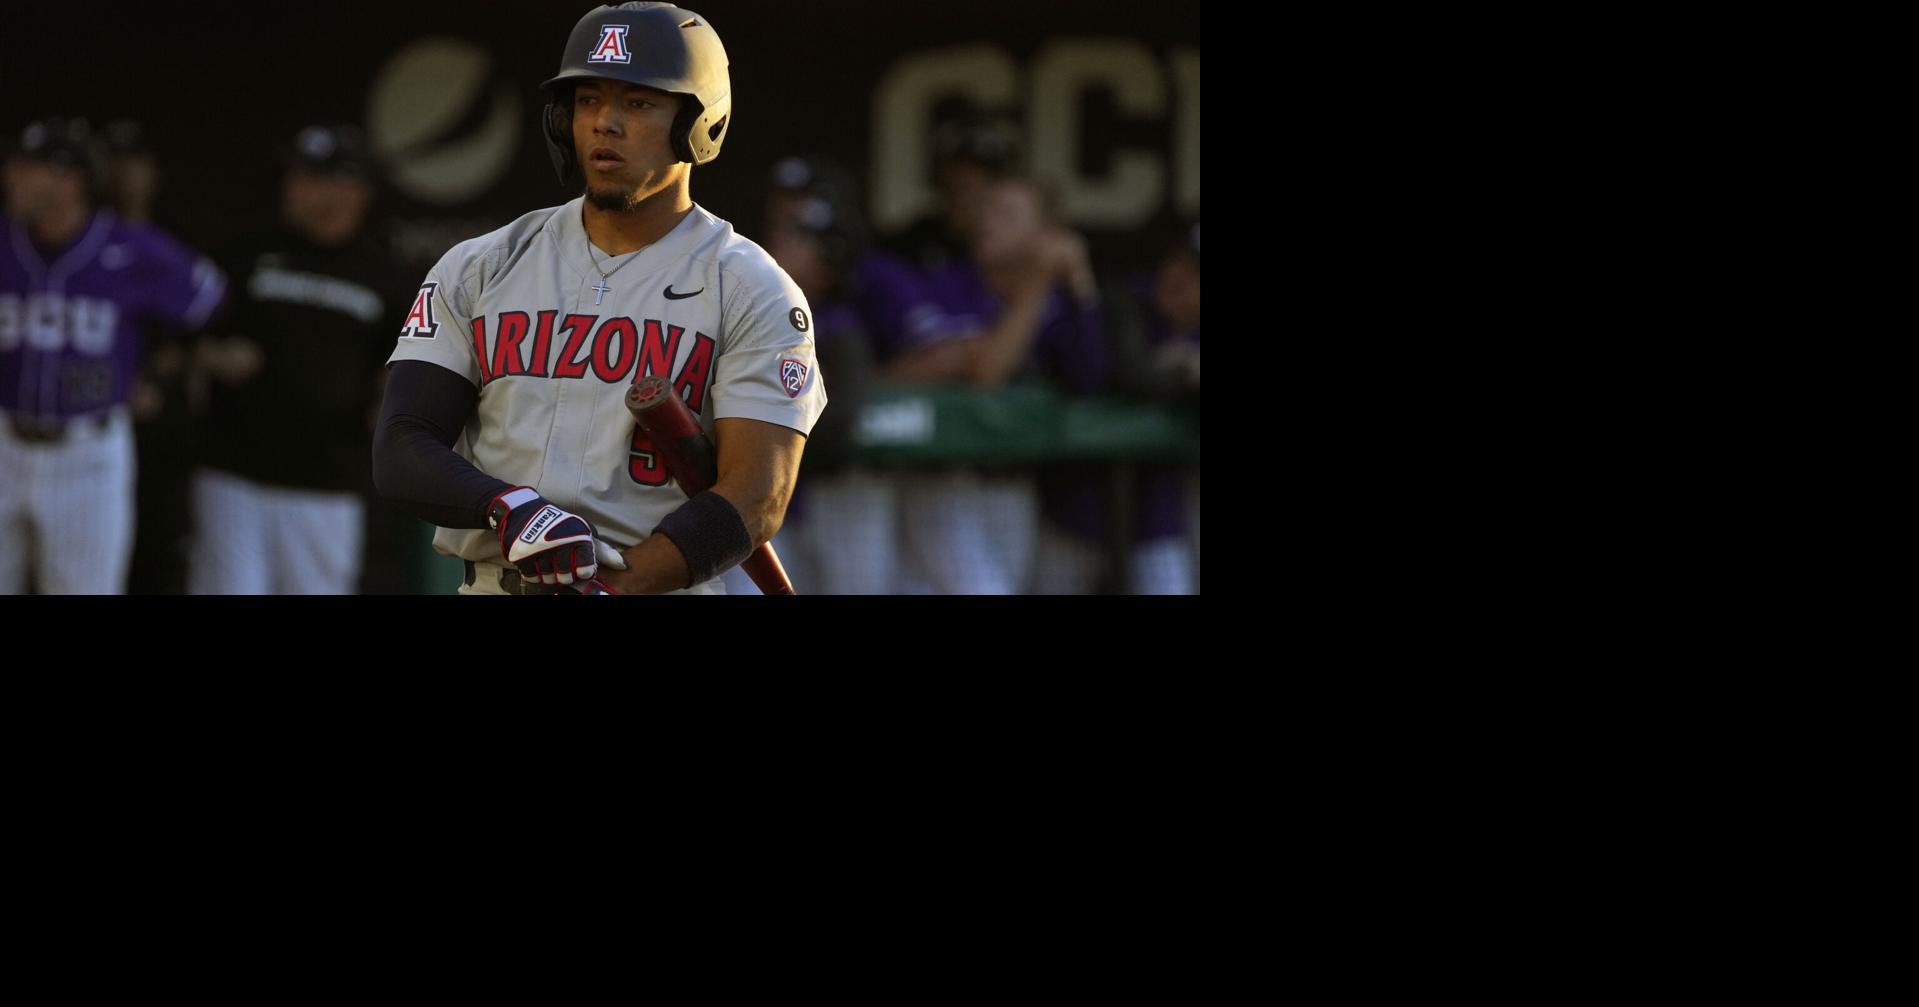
(968, 533)
(847, 542)
(254, 539)
(70, 506)
(1069, 564)
(1192, 523)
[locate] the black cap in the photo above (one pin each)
(974, 139)
(66, 142)
(331, 150)
(821, 178)
(830, 207)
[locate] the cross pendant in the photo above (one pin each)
(600, 290)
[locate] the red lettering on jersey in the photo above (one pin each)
(644, 466)
(607, 367)
(657, 349)
(542, 344)
(691, 384)
(571, 364)
(506, 346)
(479, 348)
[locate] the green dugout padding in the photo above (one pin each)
(938, 424)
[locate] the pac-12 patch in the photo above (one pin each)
(792, 377)
(420, 323)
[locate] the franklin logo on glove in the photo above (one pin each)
(537, 527)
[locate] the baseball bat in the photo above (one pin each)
(689, 457)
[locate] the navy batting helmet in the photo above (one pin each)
(656, 45)
(69, 143)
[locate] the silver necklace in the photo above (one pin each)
(600, 289)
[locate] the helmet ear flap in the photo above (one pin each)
(683, 124)
(688, 146)
(556, 121)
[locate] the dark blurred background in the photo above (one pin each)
(1102, 93)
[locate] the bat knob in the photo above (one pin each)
(645, 392)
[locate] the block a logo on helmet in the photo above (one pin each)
(612, 46)
(677, 51)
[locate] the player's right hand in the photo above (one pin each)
(1065, 258)
(546, 544)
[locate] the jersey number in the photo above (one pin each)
(645, 465)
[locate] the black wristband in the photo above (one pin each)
(710, 534)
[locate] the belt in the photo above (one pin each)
(512, 583)
(55, 431)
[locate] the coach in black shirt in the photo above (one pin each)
(294, 372)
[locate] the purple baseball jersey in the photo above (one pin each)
(1069, 350)
(71, 318)
(1162, 486)
(891, 297)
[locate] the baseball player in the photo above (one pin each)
(505, 422)
(76, 287)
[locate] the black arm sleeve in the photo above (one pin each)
(414, 464)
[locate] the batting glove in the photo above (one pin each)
(546, 544)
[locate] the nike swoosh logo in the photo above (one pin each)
(671, 296)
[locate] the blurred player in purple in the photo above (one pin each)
(1025, 305)
(1153, 321)
(840, 534)
(969, 154)
(77, 286)
(1174, 360)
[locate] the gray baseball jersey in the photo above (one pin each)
(552, 346)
